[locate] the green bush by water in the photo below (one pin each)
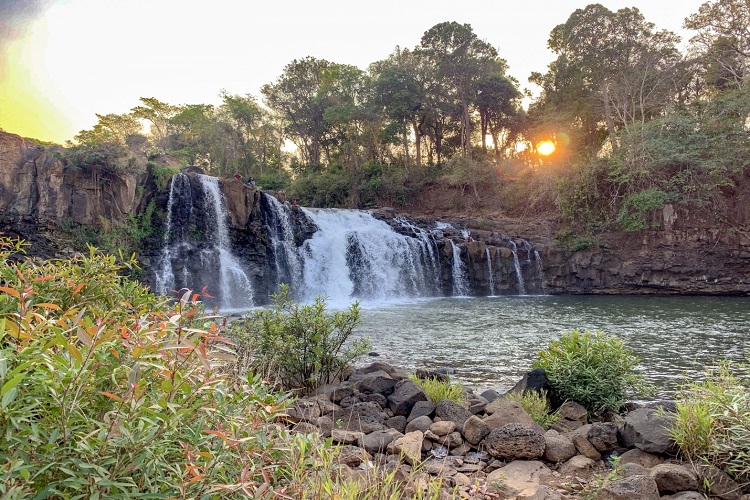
(593, 369)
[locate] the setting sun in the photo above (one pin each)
(546, 148)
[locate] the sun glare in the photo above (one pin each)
(545, 148)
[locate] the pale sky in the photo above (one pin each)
(62, 61)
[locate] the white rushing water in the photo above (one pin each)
(354, 254)
(458, 269)
(517, 266)
(490, 273)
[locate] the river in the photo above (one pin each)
(491, 341)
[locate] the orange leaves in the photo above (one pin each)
(10, 291)
(111, 396)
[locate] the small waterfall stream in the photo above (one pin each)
(517, 266)
(286, 259)
(490, 272)
(460, 283)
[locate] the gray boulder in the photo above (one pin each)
(421, 409)
(450, 410)
(475, 429)
(405, 395)
(557, 448)
(376, 383)
(376, 442)
(673, 478)
(603, 435)
(535, 380)
(630, 488)
(514, 441)
(418, 424)
(647, 430)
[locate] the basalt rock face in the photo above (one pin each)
(685, 254)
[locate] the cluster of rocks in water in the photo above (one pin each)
(491, 448)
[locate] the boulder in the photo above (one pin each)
(630, 488)
(632, 469)
(443, 428)
(335, 392)
(490, 395)
(450, 410)
(376, 442)
(475, 429)
(603, 435)
(584, 447)
(379, 383)
(645, 429)
(514, 441)
(346, 437)
(684, 495)
(376, 398)
(520, 476)
(578, 466)
(352, 456)
(306, 409)
(398, 422)
(364, 417)
(558, 448)
(418, 424)
(535, 380)
(426, 374)
(573, 411)
(409, 446)
(720, 484)
(306, 428)
(673, 478)
(421, 409)
(405, 395)
(640, 457)
(505, 411)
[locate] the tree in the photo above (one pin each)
(459, 58)
(723, 39)
(158, 113)
(499, 109)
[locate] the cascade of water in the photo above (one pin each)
(539, 270)
(426, 248)
(517, 266)
(179, 190)
(460, 283)
(490, 273)
(354, 254)
(235, 287)
(287, 260)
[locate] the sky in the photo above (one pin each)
(63, 61)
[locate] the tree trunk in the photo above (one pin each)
(405, 139)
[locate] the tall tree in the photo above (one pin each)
(158, 113)
(460, 59)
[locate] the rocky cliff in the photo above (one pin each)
(684, 253)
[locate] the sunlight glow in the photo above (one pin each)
(545, 148)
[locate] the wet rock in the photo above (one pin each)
(514, 441)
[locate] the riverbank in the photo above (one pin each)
(491, 448)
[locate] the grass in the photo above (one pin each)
(536, 404)
(438, 391)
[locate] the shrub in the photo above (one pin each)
(536, 404)
(106, 392)
(303, 346)
(593, 369)
(438, 390)
(712, 423)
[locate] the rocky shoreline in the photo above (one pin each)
(490, 448)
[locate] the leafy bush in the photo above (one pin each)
(536, 404)
(108, 393)
(438, 390)
(303, 346)
(712, 423)
(593, 369)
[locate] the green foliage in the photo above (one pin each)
(593, 369)
(161, 174)
(438, 390)
(536, 404)
(638, 206)
(319, 187)
(570, 242)
(109, 393)
(303, 346)
(712, 423)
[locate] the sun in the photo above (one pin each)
(545, 148)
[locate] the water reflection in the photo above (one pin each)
(491, 341)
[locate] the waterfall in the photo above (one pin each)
(517, 266)
(196, 252)
(235, 287)
(490, 274)
(354, 254)
(286, 259)
(460, 283)
(539, 270)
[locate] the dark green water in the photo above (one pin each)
(491, 341)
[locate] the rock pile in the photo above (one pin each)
(491, 448)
